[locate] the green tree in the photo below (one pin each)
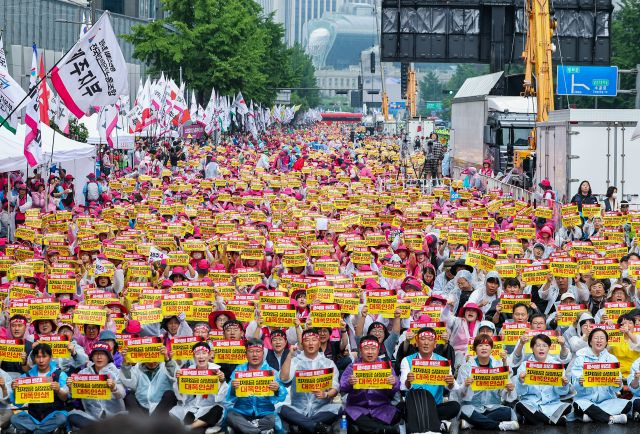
(226, 44)
(429, 89)
(303, 75)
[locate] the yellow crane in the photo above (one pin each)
(537, 58)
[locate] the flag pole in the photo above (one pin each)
(35, 87)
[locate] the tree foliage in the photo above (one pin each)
(226, 44)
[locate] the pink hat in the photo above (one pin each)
(471, 306)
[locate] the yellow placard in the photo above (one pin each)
(326, 315)
(197, 382)
(489, 378)
(544, 374)
(33, 390)
(311, 380)
(87, 386)
(254, 383)
(141, 350)
(84, 314)
(430, 372)
(600, 374)
(372, 375)
(232, 352)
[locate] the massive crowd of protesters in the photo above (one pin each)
(300, 258)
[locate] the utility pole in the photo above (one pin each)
(92, 4)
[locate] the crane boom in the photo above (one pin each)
(537, 57)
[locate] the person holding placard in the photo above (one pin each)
(313, 410)
(483, 409)
(553, 289)
(462, 328)
(101, 365)
(540, 403)
(433, 405)
(78, 357)
(150, 384)
(18, 329)
(43, 417)
(538, 325)
(5, 395)
(201, 412)
(597, 403)
(370, 408)
(251, 405)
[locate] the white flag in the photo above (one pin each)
(240, 105)
(32, 151)
(93, 73)
(10, 95)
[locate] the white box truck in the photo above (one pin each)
(593, 145)
(489, 126)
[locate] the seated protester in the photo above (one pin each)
(437, 410)
(483, 409)
(231, 330)
(44, 327)
(552, 320)
(520, 315)
(280, 348)
(511, 285)
(96, 409)
(540, 404)
(90, 337)
(585, 324)
(629, 350)
(370, 410)
(633, 382)
(385, 339)
(18, 328)
(43, 418)
(601, 403)
(5, 398)
(173, 326)
(108, 337)
(597, 298)
(312, 412)
(487, 296)
(462, 328)
(553, 289)
(254, 414)
(406, 347)
(334, 350)
(200, 412)
(538, 324)
(617, 294)
(78, 359)
(150, 385)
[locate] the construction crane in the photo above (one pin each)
(537, 58)
(411, 96)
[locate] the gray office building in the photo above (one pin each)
(54, 26)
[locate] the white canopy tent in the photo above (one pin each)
(56, 148)
(76, 157)
(121, 138)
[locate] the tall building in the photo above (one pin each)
(54, 26)
(145, 9)
(298, 12)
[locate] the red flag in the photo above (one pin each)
(43, 94)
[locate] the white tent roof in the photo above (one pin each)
(62, 148)
(121, 139)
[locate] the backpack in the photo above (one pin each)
(93, 192)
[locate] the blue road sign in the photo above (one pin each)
(587, 80)
(398, 105)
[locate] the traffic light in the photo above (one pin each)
(447, 92)
(373, 62)
(404, 79)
